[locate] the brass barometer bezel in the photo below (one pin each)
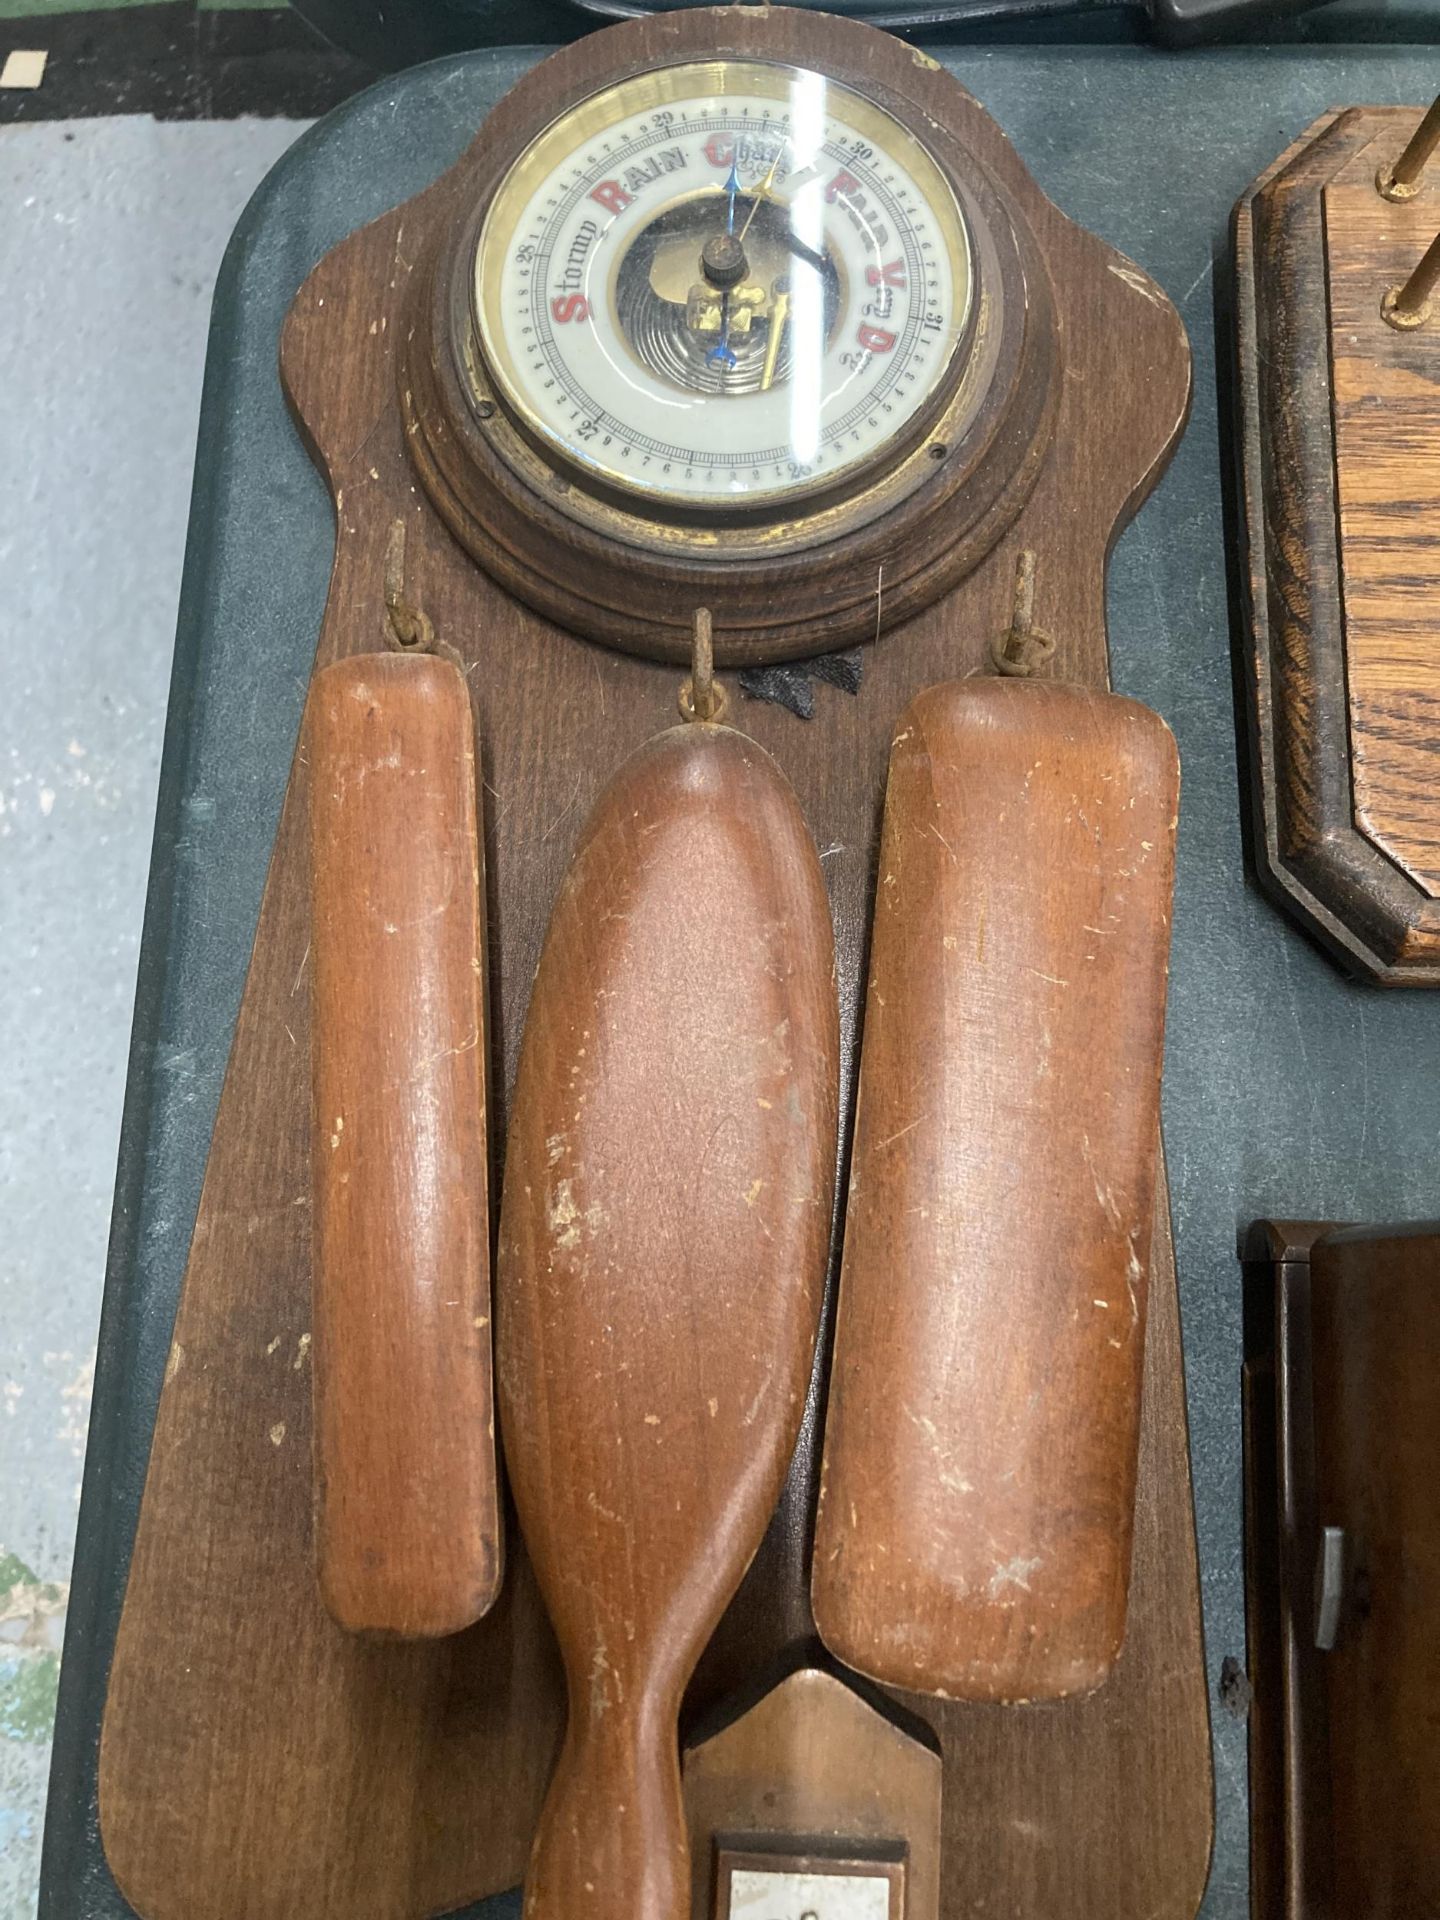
(485, 348)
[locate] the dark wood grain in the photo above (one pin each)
(240, 1765)
(1375, 1372)
(1289, 1872)
(978, 1487)
(1343, 1372)
(669, 1182)
(812, 1765)
(1341, 699)
(407, 1526)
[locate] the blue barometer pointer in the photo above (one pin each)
(720, 354)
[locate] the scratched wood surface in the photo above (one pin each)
(669, 1182)
(972, 1536)
(255, 1758)
(1337, 425)
(407, 1512)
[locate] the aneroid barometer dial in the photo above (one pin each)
(723, 284)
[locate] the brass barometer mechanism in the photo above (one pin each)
(706, 309)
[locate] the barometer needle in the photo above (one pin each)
(721, 352)
(779, 320)
(759, 194)
(764, 187)
(808, 254)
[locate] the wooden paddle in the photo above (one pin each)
(666, 1214)
(978, 1488)
(408, 1532)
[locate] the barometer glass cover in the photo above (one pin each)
(723, 284)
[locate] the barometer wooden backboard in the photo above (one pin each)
(255, 1756)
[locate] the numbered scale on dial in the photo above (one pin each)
(723, 283)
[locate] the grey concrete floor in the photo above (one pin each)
(111, 232)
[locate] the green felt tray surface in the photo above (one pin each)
(1289, 1091)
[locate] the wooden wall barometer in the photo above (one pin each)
(740, 320)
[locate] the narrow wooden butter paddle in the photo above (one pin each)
(666, 1214)
(408, 1529)
(978, 1486)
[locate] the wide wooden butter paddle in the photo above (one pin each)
(978, 1486)
(666, 1214)
(408, 1533)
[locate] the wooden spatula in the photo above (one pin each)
(666, 1213)
(978, 1486)
(408, 1533)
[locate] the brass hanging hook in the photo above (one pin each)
(702, 697)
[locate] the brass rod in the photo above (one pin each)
(1409, 306)
(1402, 181)
(702, 697)
(702, 667)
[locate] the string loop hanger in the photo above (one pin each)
(410, 626)
(1023, 648)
